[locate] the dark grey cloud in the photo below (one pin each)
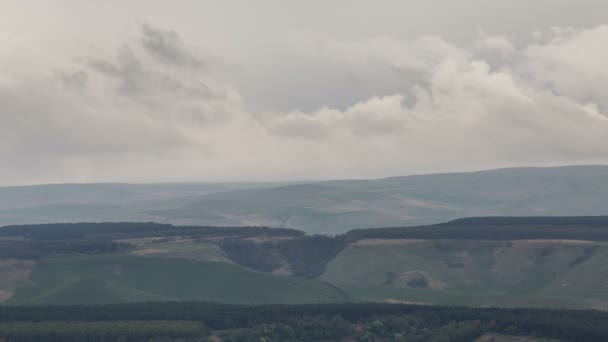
(154, 75)
(76, 80)
(166, 46)
(127, 70)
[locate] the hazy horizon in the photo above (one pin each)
(301, 181)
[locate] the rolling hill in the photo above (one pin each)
(549, 262)
(338, 206)
(101, 202)
(126, 278)
(329, 207)
(510, 273)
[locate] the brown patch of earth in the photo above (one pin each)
(400, 301)
(371, 242)
(282, 271)
(150, 251)
(12, 274)
(4, 295)
(533, 242)
(260, 239)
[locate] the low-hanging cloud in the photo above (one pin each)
(154, 110)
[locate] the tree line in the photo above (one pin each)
(35, 249)
(314, 322)
(130, 230)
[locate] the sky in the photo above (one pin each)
(274, 90)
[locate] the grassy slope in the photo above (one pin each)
(179, 248)
(480, 273)
(126, 278)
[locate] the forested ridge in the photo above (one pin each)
(591, 221)
(128, 230)
(35, 249)
(499, 228)
(282, 248)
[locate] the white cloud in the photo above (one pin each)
(497, 43)
(157, 110)
(572, 63)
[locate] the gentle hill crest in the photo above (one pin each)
(480, 261)
(337, 206)
(321, 207)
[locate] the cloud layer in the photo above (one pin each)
(154, 108)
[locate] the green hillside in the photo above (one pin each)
(552, 262)
(124, 278)
(539, 273)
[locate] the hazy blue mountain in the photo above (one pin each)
(101, 201)
(337, 206)
(329, 207)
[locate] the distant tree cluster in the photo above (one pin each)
(490, 230)
(590, 221)
(129, 230)
(387, 328)
(190, 321)
(250, 254)
(35, 249)
(305, 256)
(102, 331)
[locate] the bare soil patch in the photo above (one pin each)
(371, 242)
(150, 251)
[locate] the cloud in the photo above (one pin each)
(153, 110)
(76, 80)
(572, 63)
(466, 108)
(167, 47)
(496, 43)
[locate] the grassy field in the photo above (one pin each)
(524, 273)
(177, 248)
(127, 278)
(507, 273)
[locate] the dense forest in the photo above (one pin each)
(496, 228)
(362, 322)
(129, 230)
(35, 249)
(305, 256)
(591, 221)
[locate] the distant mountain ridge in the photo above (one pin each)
(325, 207)
(337, 206)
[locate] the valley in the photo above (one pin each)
(551, 262)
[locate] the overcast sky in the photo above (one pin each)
(153, 91)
